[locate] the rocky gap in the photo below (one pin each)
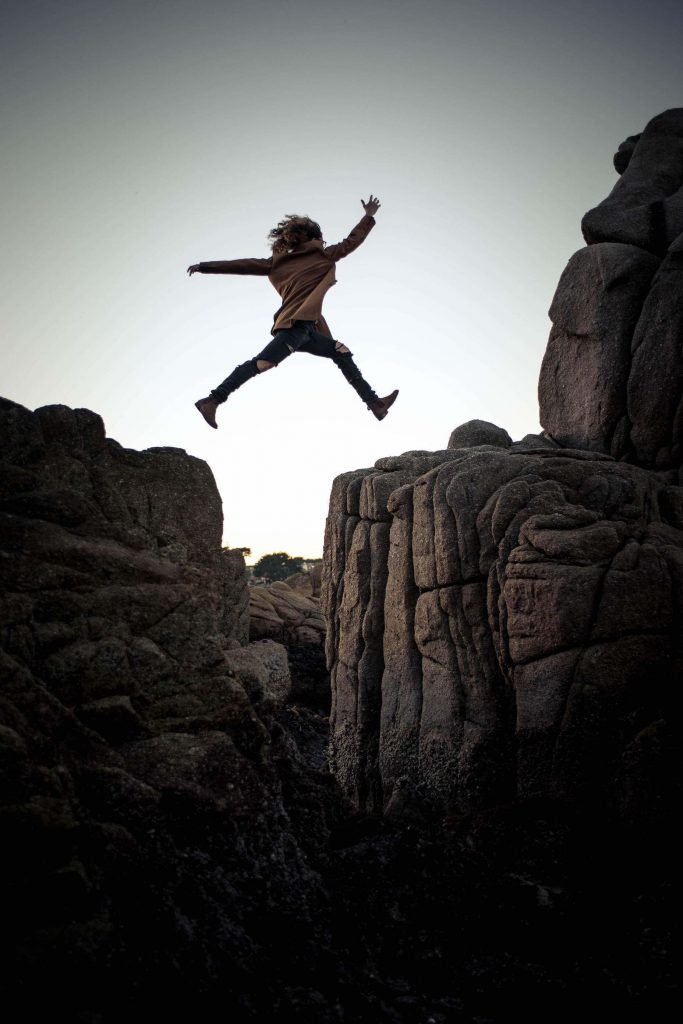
(201, 837)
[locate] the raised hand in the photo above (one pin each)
(372, 206)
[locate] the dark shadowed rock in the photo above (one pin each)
(645, 207)
(655, 386)
(610, 379)
(582, 388)
(114, 718)
(530, 442)
(478, 432)
(288, 612)
(623, 155)
(263, 670)
(141, 801)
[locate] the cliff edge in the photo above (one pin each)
(504, 619)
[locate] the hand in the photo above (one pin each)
(193, 269)
(372, 206)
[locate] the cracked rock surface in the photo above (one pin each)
(511, 632)
(147, 845)
(288, 612)
(497, 838)
(612, 375)
(504, 619)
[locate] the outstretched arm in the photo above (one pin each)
(255, 266)
(358, 234)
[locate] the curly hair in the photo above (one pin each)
(291, 231)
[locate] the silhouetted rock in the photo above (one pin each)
(585, 371)
(141, 796)
(655, 385)
(611, 379)
(623, 155)
(478, 432)
(645, 207)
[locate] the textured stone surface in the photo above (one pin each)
(526, 603)
(289, 613)
(611, 376)
(145, 839)
(586, 367)
(655, 386)
(286, 612)
(505, 637)
(352, 600)
(645, 207)
(623, 155)
(263, 670)
(478, 432)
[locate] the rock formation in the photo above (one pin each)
(288, 612)
(504, 635)
(612, 376)
(504, 619)
(141, 799)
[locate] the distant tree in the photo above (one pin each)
(278, 566)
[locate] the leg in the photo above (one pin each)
(272, 355)
(320, 345)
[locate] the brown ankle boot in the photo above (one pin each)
(381, 407)
(207, 407)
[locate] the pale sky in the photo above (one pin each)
(139, 137)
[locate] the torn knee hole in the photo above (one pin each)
(342, 349)
(262, 365)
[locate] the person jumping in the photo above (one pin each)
(301, 270)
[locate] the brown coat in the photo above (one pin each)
(301, 277)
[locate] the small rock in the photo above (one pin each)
(478, 432)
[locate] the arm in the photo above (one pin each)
(358, 234)
(255, 266)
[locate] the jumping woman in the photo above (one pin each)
(301, 270)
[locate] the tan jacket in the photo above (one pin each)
(301, 277)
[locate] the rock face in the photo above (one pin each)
(504, 635)
(645, 207)
(612, 376)
(504, 619)
(288, 612)
(141, 797)
(171, 837)
(507, 624)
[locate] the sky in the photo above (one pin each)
(141, 136)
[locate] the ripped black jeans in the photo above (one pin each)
(300, 337)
